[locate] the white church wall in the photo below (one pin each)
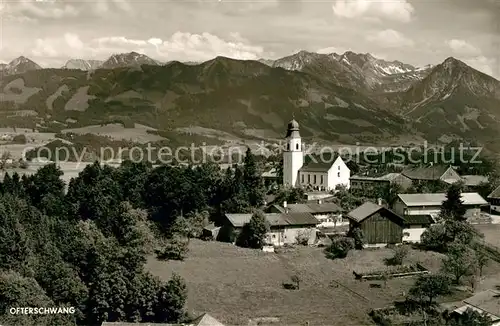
(339, 174)
(307, 178)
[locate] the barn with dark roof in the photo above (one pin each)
(380, 225)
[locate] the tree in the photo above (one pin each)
(357, 234)
(453, 206)
(470, 318)
(459, 231)
(254, 232)
(434, 238)
(15, 249)
(190, 226)
(252, 180)
(175, 248)
(291, 195)
(339, 248)
(170, 302)
(47, 180)
(400, 254)
(460, 261)
(428, 287)
(20, 291)
(132, 179)
(482, 261)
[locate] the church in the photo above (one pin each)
(318, 175)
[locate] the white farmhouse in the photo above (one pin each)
(430, 204)
(316, 174)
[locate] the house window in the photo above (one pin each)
(274, 236)
(315, 178)
(287, 147)
(339, 168)
(338, 174)
(297, 146)
(302, 178)
(308, 178)
(321, 179)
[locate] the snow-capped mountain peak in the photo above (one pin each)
(19, 65)
(131, 59)
(298, 60)
(82, 64)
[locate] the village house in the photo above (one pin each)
(324, 196)
(430, 204)
(328, 214)
(444, 173)
(485, 302)
(285, 228)
(315, 174)
(494, 200)
(270, 177)
(380, 225)
(203, 320)
(366, 183)
(415, 225)
(473, 182)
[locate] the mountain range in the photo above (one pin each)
(342, 98)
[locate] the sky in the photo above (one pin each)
(417, 32)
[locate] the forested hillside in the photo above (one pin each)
(87, 248)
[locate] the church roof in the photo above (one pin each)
(318, 163)
(293, 129)
(316, 167)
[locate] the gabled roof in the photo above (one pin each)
(368, 209)
(495, 193)
(468, 198)
(474, 180)
(386, 177)
(319, 163)
(206, 320)
(316, 167)
(486, 301)
(434, 172)
(314, 208)
(275, 219)
(279, 208)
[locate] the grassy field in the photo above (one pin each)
(138, 134)
(491, 233)
(235, 284)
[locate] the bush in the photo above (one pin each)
(434, 238)
(19, 139)
(357, 235)
(400, 254)
(175, 249)
(302, 238)
(339, 248)
(23, 164)
(379, 318)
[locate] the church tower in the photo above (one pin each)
(293, 157)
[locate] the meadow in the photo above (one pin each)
(235, 284)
